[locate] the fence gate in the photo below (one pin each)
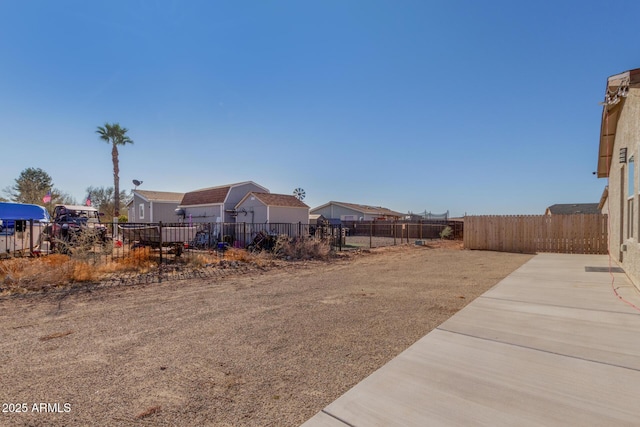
(571, 234)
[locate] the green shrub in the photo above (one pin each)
(446, 233)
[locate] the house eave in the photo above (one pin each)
(616, 91)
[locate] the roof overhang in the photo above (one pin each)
(615, 94)
(603, 198)
(610, 116)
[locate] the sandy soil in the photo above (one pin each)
(263, 348)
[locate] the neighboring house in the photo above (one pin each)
(354, 212)
(260, 208)
(427, 216)
(618, 159)
(148, 206)
(573, 208)
(315, 219)
(216, 204)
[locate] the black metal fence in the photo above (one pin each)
(171, 240)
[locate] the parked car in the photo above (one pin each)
(76, 223)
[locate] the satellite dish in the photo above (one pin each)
(299, 193)
(136, 183)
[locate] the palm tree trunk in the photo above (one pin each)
(116, 181)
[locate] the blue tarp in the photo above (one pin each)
(10, 212)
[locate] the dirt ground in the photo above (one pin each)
(261, 348)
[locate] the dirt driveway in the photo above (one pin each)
(264, 348)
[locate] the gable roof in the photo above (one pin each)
(365, 209)
(615, 94)
(159, 196)
(212, 195)
(573, 208)
(281, 200)
(206, 196)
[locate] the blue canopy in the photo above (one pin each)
(23, 211)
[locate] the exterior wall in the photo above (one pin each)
(335, 211)
(622, 236)
(200, 214)
(133, 210)
(153, 211)
(165, 212)
(288, 215)
(256, 212)
(236, 194)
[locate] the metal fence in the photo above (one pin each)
(172, 240)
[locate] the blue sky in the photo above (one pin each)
(467, 106)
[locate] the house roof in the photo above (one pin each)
(615, 94)
(159, 196)
(281, 200)
(573, 208)
(211, 195)
(365, 209)
(206, 196)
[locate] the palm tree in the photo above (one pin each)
(115, 135)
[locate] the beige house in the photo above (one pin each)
(618, 159)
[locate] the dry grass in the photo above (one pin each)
(24, 275)
(297, 248)
(27, 274)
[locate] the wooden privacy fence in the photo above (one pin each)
(571, 234)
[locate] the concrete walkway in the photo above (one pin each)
(550, 345)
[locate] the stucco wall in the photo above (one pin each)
(627, 136)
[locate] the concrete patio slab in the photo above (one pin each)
(551, 344)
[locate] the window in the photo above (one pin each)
(141, 211)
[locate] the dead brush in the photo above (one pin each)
(200, 260)
(301, 248)
(241, 255)
(212, 258)
(259, 259)
(34, 274)
(139, 259)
